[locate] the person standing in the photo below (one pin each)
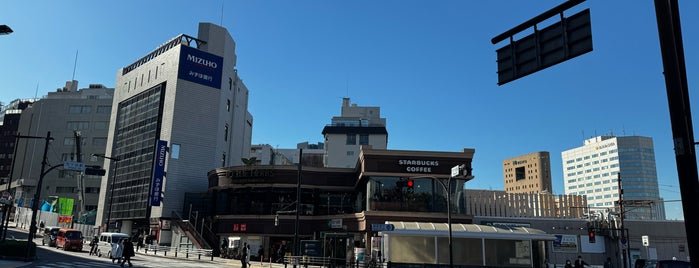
(128, 252)
(249, 254)
(608, 263)
(568, 264)
(244, 255)
(579, 263)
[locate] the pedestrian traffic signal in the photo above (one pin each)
(410, 184)
(591, 236)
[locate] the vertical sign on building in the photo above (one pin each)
(158, 172)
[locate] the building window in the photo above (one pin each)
(228, 105)
(60, 189)
(350, 153)
(99, 141)
(77, 125)
(223, 160)
(351, 139)
(364, 139)
(230, 83)
(79, 109)
(92, 190)
(103, 109)
(225, 133)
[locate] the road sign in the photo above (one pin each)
(644, 239)
(382, 227)
(72, 165)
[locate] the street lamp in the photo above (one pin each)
(111, 191)
(4, 30)
(458, 171)
(37, 194)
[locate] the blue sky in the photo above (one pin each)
(429, 65)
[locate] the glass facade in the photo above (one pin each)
(137, 130)
(426, 195)
(270, 200)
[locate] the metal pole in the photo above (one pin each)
(451, 248)
(670, 36)
(624, 236)
(111, 192)
(8, 208)
(298, 205)
(37, 195)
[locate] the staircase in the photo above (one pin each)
(192, 233)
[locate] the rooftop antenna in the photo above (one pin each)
(75, 64)
(36, 91)
(221, 24)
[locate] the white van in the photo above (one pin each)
(104, 246)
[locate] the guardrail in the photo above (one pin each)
(179, 251)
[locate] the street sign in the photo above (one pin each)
(644, 239)
(72, 165)
(382, 227)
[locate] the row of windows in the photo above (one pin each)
(82, 125)
(352, 139)
(96, 141)
(87, 109)
(587, 157)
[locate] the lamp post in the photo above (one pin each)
(463, 171)
(37, 194)
(111, 191)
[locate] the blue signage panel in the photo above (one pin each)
(200, 67)
(158, 172)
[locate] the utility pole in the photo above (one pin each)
(670, 35)
(80, 175)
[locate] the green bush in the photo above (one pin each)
(16, 248)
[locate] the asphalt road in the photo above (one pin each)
(52, 257)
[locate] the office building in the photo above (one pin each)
(356, 126)
(529, 173)
(178, 112)
(593, 170)
(70, 114)
(9, 122)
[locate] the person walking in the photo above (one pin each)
(261, 253)
(248, 258)
(244, 255)
(93, 245)
(128, 252)
(117, 250)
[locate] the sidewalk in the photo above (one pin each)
(9, 263)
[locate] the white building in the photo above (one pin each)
(186, 94)
(356, 126)
(592, 170)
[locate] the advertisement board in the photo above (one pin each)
(565, 244)
(200, 67)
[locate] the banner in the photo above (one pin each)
(65, 206)
(566, 243)
(158, 172)
(200, 67)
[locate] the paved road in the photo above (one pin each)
(52, 257)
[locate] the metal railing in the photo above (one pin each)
(176, 251)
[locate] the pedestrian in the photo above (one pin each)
(117, 250)
(568, 264)
(261, 253)
(139, 242)
(248, 258)
(244, 255)
(579, 263)
(608, 263)
(41, 224)
(93, 245)
(128, 252)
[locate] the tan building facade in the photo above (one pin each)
(529, 173)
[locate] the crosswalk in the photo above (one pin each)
(136, 264)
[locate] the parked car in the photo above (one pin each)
(667, 264)
(50, 234)
(69, 239)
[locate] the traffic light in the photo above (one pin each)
(410, 184)
(591, 236)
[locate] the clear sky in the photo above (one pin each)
(429, 65)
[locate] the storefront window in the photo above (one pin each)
(425, 195)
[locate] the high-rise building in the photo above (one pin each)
(529, 173)
(179, 112)
(356, 126)
(593, 170)
(9, 122)
(70, 114)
